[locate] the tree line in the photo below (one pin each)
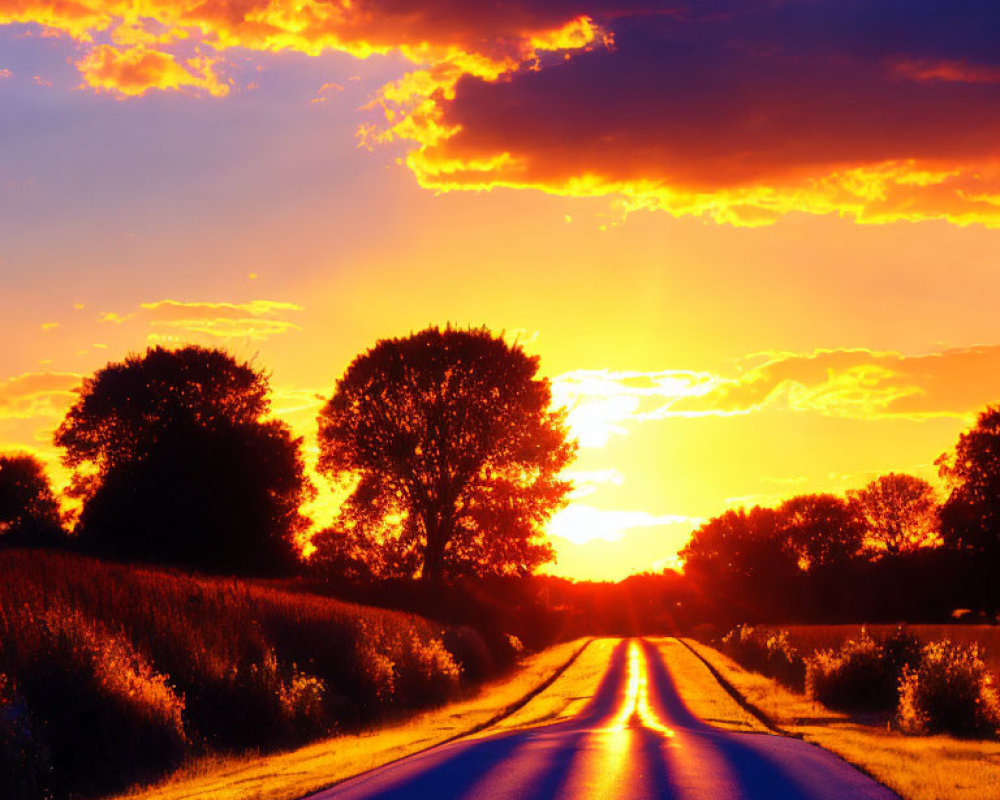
(888, 551)
(450, 456)
(444, 441)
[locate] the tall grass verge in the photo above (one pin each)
(111, 674)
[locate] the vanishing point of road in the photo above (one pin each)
(634, 740)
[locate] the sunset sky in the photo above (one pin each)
(756, 243)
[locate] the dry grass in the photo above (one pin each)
(294, 774)
(918, 768)
(567, 695)
(112, 674)
(701, 691)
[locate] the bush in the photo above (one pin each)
(469, 650)
(114, 674)
(100, 714)
(950, 691)
(861, 674)
(771, 654)
(21, 761)
(427, 673)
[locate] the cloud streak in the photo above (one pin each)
(37, 394)
(172, 320)
(580, 523)
(862, 384)
(847, 384)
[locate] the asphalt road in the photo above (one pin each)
(635, 740)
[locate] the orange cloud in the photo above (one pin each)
(600, 403)
(741, 117)
(136, 70)
(948, 71)
(863, 384)
(37, 394)
(854, 384)
(174, 321)
(481, 37)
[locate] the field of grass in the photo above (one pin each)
(809, 638)
(290, 775)
(113, 674)
(916, 767)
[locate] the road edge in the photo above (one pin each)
(505, 712)
(733, 692)
(776, 729)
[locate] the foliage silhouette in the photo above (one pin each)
(177, 463)
(29, 512)
(822, 529)
(455, 453)
(970, 517)
(899, 512)
(744, 558)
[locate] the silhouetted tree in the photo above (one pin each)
(743, 560)
(821, 529)
(177, 462)
(455, 453)
(899, 513)
(970, 517)
(346, 553)
(29, 512)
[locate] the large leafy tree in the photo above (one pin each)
(822, 530)
(899, 513)
(454, 452)
(29, 512)
(970, 517)
(177, 461)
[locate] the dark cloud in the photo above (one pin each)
(882, 108)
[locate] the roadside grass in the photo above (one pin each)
(114, 674)
(568, 694)
(701, 692)
(916, 767)
(294, 774)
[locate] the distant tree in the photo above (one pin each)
(177, 462)
(821, 529)
(743, 559)
(899, 513)
(29, 512)
(455, 452)
(970, 517)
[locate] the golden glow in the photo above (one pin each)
(701, 366)
(635, 704)
(890, 191)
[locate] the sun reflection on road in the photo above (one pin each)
(602, 769)
(635, 704)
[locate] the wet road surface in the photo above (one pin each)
(634, 740)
